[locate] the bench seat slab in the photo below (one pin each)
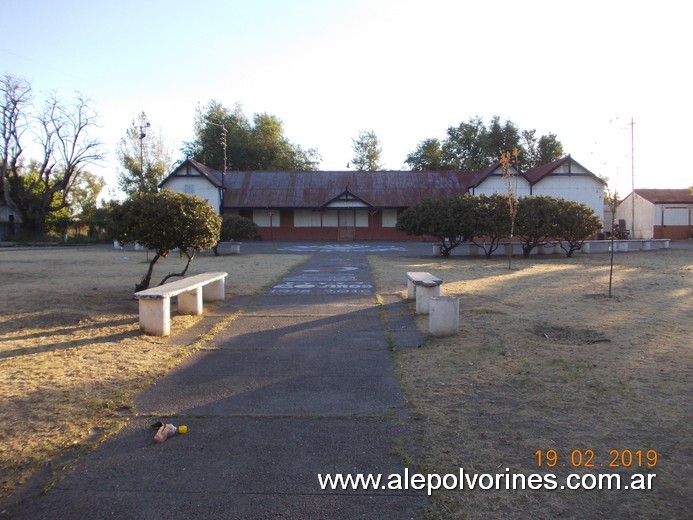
(415, 278)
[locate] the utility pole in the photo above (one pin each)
(632, 178)
(143, 184)
(224, 132)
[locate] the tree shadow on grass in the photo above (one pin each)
(68, 344)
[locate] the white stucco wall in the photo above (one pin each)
(195, 185)
(497, 184)
(647, 215)
(583, 189)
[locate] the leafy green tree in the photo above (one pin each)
(576, 222)
(499, 138)
(163, 222)
(84, 200)
(450, 220)
(549, 149)
(367, 152)
(143, 157)
(227, 139)
(491, 222)
(536, 221)
(465, 146)
(472, 145)
(428, 156)
(35, 189)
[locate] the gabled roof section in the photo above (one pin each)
(476, 177)
(347, 199)
(315, 189)
(564, 166)
(666, 196)
(190, 168)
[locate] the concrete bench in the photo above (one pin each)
(155, 303)
(422, 286)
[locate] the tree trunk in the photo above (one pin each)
(147, 278)
(171, 275)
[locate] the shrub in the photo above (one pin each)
(234, 227)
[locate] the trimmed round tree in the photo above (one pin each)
(163, 222)
(449, 220)
(535, 221)
(576, 222)
(491, 221)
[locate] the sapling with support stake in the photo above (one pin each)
(507, 160)
(613, 202)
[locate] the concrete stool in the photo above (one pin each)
(444, 316)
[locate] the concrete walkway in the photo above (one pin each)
(300, 384)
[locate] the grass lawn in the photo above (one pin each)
(545, 361)
(71, 353)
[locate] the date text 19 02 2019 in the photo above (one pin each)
(586, 458)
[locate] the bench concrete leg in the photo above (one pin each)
(411, 290)
(214, 291)
(155, 316)
(423, 298)
(190, 302)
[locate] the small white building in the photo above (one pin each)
(8, 221)
(658, 213)
(195, 178)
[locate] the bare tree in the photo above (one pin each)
(16, 95)
(38, 187)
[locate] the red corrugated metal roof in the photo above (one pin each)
(666, 196)
(214, 176)
(314, 189)
(536, 174)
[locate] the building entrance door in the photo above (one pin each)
(347, 224)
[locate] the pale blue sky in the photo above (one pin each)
(404, 69)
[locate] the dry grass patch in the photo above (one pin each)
(71, 354)
(544, 360)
